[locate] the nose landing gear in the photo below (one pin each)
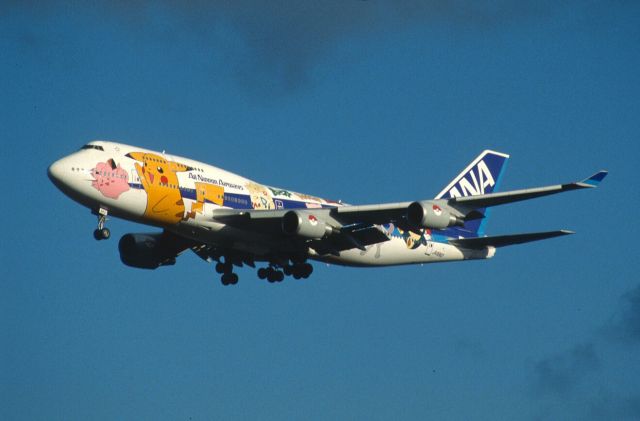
(102, 232)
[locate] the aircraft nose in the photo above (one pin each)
(56, 172)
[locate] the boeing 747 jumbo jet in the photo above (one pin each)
(234, 221)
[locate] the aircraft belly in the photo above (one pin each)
(227, 237)
(396, 252)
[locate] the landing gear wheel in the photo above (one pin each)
(229, 279)
(102, 234)
(220, 268)
(227, 268)
(302, 270)
(273, 274)
(307, 270)
(262, 273)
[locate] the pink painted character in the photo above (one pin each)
(110, 180)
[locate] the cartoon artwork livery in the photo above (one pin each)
(236, 222)
(206, 192)
(414, 240)
(159, 179)
(110, 179)
(260, 196)
(165, 199)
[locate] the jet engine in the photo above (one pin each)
(427, 214)
(146, 251)
(305, 225)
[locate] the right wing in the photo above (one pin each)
(359, 226)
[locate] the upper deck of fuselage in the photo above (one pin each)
(199, 172)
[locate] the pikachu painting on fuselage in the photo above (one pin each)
(160, 181)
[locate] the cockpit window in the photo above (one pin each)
(100, 148)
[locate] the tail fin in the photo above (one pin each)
(481, 176)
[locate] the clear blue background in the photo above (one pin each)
(361, 101)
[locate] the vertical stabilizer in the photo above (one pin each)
(481, 176)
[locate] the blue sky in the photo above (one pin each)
(361, 101)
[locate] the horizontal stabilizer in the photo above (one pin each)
(506, 240)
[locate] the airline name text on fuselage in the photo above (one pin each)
(218, 182)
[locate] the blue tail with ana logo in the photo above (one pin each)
(481, 176)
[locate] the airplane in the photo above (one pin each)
(234, 221)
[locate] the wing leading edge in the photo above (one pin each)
(495, 199)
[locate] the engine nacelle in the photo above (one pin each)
(427, 214)
(146, 251)
(304, 224)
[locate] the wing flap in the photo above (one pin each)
(507, 240)
(372, 234)
(349, 238)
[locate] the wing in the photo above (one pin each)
(461, 206)
(338, 237)
(358, 226)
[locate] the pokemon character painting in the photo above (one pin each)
(233, 221)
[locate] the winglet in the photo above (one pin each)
(595, 179)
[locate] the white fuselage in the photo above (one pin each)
(180, 195)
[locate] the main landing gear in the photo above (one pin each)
(271, 274)
(298, 270)
(102, 232)
(275, 272)
(226, 270)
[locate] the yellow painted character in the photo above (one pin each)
(206, 191)
(160, 181)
